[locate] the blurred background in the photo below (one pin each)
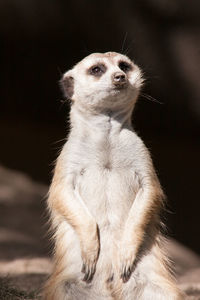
(40, 40)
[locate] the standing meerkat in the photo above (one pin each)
(105, 197)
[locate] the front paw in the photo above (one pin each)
(90, 253)
(127, 262)
(89, 265)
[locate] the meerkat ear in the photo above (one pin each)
(67, 85)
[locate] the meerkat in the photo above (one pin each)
(105, 198)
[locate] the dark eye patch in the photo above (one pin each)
(97, 70)
(124, 66)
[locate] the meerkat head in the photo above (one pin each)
(103, 81)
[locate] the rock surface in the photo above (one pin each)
(24, 251)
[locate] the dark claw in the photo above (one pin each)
(88, 275)
(123, 274)
(126, 274)
(83, 268)
(129, 272)
(122, 277)
(110, 279)
(85, 278)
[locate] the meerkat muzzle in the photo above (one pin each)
(119, 79)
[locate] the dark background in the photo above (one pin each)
(39, 40)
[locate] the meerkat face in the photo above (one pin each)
(103, 81)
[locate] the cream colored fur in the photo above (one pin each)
(105, 197)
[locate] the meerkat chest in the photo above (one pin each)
(105, 174)
(107, 177)
(113, 153)
(102, 160)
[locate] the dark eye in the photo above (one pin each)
(124, 66)
(97, 70)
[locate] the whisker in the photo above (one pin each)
(124, 41)
(129, 48)
(150, 98)
(61, 140)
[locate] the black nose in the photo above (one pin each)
(119, 78)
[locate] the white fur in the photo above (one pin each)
(105, 176)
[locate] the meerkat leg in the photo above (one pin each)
(68, 204)
(152, 279)
(76, 243)
(144, 212)
(158, 292)
(144, 209)
(54, 289)
(150, 291)
(161, 284)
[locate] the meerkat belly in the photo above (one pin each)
(108, 192)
